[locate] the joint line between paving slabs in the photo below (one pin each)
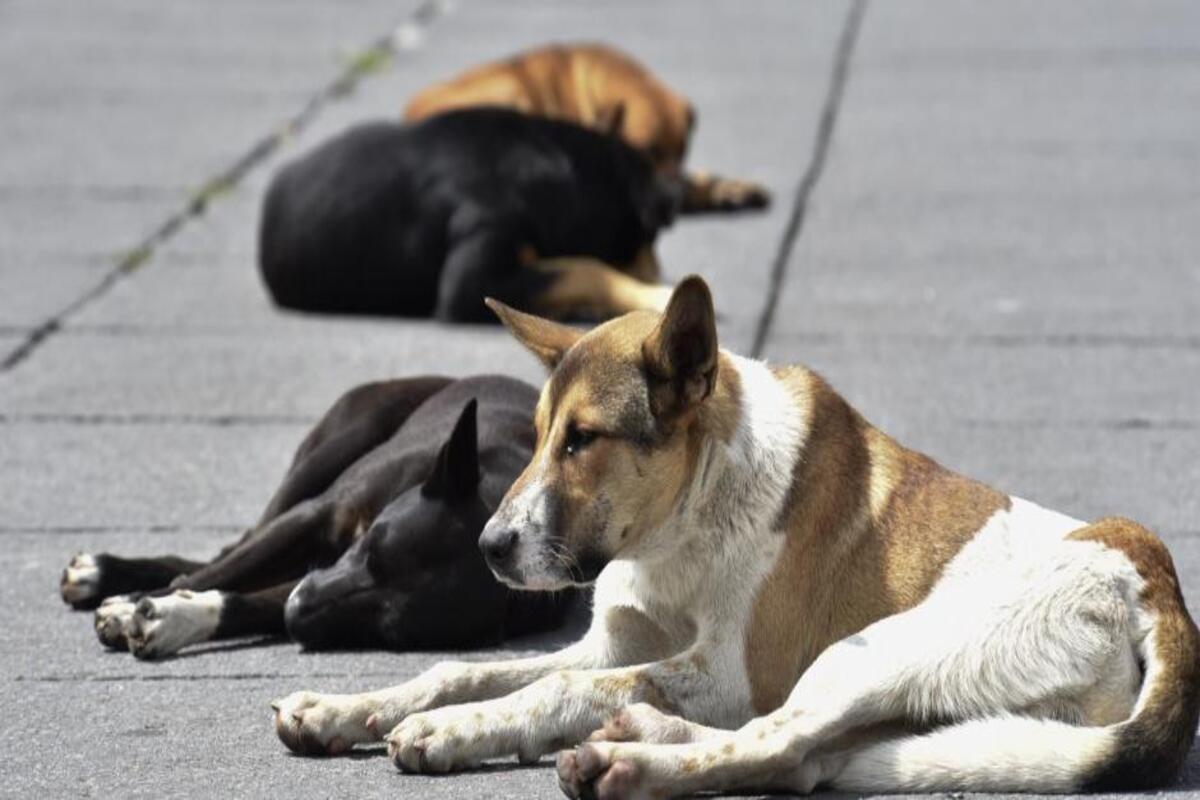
(812, 175)
(404, 36)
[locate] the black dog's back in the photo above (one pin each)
(374, 219)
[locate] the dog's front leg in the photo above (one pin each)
(556, 711)
(321, 724)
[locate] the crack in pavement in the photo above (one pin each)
(812, 175)
(402, 37)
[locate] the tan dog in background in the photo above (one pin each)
(600, 88)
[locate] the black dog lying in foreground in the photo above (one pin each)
(429, 218)
(386, 497)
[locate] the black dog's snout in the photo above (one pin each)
(498, 546)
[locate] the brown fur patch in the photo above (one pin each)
(633, 687)
(869, 527)
(1151, 748)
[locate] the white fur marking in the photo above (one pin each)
(81, 579)
(163, 625)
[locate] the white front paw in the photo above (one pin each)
(441, 740)
(163, 625)
(322, 724)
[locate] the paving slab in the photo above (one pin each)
(188, 89)
(34, 288)
(295, 371)
(87, 474)
(1039, 383)
(990, 179)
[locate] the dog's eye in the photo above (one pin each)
(577, 440)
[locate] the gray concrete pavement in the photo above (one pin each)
(997, 265)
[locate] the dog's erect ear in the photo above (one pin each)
(681, 353)
(609, 120)
(547, 340)
(456, 472)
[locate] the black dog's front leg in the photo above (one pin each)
(89, 579)
(161, 626)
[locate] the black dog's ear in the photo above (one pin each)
(456, 472)
(547, 340)
(681, 353)
(609, 120)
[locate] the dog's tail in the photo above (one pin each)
(1023, 754)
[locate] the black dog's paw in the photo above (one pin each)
(112, 621)
(80, 582)
(161, 626)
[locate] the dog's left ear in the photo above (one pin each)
(456, 472)
(681, 353)
(547, 340)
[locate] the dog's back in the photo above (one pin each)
(589, 84)
(366, 222)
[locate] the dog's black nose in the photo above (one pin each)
(498, 545)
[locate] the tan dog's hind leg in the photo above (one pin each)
(583, 286)
(706, 192)
(1012, 648)
(645, 266)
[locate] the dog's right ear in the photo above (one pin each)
(681, 353)
(547, 340)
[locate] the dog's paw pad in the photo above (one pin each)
(315, 725)
(591, 771)
(80, 582)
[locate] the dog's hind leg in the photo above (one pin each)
(284, 549)
(161, 626)
(707, 193)
(1024, 650)
(491, 262)
(581, 286)
(88, 579)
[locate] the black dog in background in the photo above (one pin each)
(371, 540)
(427, 219)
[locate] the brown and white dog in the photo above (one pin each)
(601, 88)
(785, 597)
